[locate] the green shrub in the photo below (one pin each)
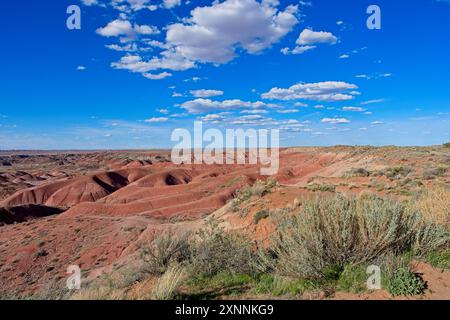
(163, 251)
(332, 232)
(446, 145)
(216, 251)
(405, 283)
(260, 215)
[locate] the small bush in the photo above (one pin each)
(357, 172)
(216, 251)
(165, 250)
(321, 187)
(432, 173)
(405, 283)
(260, 215)
(446, 145)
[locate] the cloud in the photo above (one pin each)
(364, 103)
(287, 111)
(81, 68)
(120, 27)
(169, 60)
(297, 50)
(133, 5)
(320, 91)
(207, 105)
(163, 111)
(203, 93)
(335, 120)
(89, 2)
(344, 56)
(157, 76)
(156, 119)
(376, 75)
(169, 4)
(354, 109)
(376, 122)
(310, 37)
(214, 33)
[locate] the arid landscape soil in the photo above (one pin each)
(101, 209)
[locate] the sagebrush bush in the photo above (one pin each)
(164, 250)
(215, 251)
(332, 232)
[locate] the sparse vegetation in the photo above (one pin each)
(321, 187)
(262, 214)
(357, 172)
(165, 250)
(446, 145)
(405, 282)
(333, 232)
(166, 286)
(258, 189)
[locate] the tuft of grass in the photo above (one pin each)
(167, 285)
(282, 286)
(434, 205)
(352, 279)
(439, 258)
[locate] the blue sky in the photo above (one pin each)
(138, 69)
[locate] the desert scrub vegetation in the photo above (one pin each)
(356, 172)
(262, 214)
(324, 187)
(167, 285)
(258, 189)
(434, 204)
(214, 251)
(329, 234)
(394, 173)
(446, 145)
(165, 250)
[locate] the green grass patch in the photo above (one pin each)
(439, 258)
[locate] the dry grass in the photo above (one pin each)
(99, 293)
(169, 282)
(435, 205)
